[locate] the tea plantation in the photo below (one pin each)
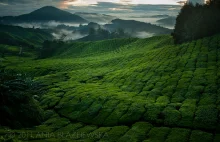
(124, 90)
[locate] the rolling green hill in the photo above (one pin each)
(15, 35)
(127, 90)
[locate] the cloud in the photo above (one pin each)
(119, 9)
(69, 35)
(18, 7)
(3, 4)
(143, 35)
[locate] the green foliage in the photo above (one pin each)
(207, 98)
(153, 113)
(99, 133)
(138, 132)
(115, 133)
(113, 86)
(206, 117)
(172, 116)
(85, 131)
(52, 48)
(163, 100)
(70, 128)
(18, 108)
(178, 134)
(88, 115)
(187, 111)
(158, 134)
(134, 113)
(113, 118)
(14, 35)
(107, 109)
(190, 22)
(197, 135)
(56, 122)
(195, 92)
(49, 48)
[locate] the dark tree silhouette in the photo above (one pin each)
(197, 21)
(215, 3)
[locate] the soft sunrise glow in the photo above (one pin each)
(125, 2)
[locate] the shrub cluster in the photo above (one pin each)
(17, 106)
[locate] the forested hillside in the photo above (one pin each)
(15, 35)
(197, 21)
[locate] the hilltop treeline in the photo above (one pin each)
(27, 37)
(197, 21)
(103, 34)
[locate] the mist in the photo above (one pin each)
(45, 25)
(52, 27)
(143, 34)
(69, 35)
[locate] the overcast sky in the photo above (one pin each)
(18, 7)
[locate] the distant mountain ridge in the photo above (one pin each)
(169, 21)
(45, 14)
(132, 26)
(96, 17)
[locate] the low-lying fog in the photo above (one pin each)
(45, 25)
(147, 15)
(68, 35)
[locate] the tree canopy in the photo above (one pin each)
(197, 21)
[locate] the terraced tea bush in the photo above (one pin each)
(172, 116)
(84, 132)
(148, 87)
(197, 135)
(178, 96)
(134, 113)
(72, 109)
(70, 128)
(199, 80)
(107, 109)
(155, 93)
(137, 132)
(168, 90)
(88, 115)
(163, 100)
(158, 134)
(207, 98)
(187, 111)
(113, 118)
(194, 92)
(206, 117)
(129, 90)
(178, 134)
(115, 133)
(56, 122)
(153, 113)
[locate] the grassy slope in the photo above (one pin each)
(139, 90)
(15, 35)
